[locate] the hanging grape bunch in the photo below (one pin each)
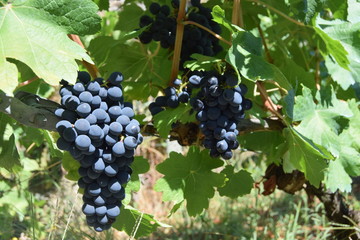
(98, 130)
(220, 105)
(162, 28)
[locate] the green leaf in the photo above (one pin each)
(135, 223)
(201, 62)
(353, 11)
(353, 131)
(218, 15)
(76, 16)
(8, 74)
(164, 120)
(311, 7)
(71, 166)
(304, 155)
(9, 157)
(340, 8)
(322, 115)
(337, 177)
(346, 35)
(102, 4)
(49, 138)
(265, 141)
(130, 15)
(245, 56)
(239, 183)
(333, 38)
(193, 176)
(39, 43)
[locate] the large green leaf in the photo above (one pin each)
(266, 142)
(163, 121)
(344, 50)
(238, 184)
(318, 121)
(353, 11)
(136, 223)
(191, 178)
(76, 16)
(348, 163)
(302, 154)
(245, 56)
(30, 35)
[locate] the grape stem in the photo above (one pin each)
(208, 30)
(237, 14)
(92, 69)
(28, 81)
(178, 42)
(268, 103)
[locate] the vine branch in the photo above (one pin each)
(92, 69)
(178, 42)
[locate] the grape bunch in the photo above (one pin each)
(98, 130)
(171, 99)
(162, 28)
(220, 105)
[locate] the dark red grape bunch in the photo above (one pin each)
(220, 105)
(172, 98)
(98, 130)
(162, 28)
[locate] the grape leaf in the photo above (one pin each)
(346, 34)
(139, 166)
(304, 155)
(76, 16)
(245, 56)
(192, 176)
(337, 178)
(323, 116)
(218, 15)
(9, 157)
(239, 183)
(341, 8)
(164, 120)
(348, 162)
(49, 138)
(102, 4)
(135, 223)
(266, 141)
(130, 14)
(353, 11)
(8, 74)
(31, 36)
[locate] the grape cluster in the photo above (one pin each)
(171, 99)
(219, 106)
(99, 131)
(162, 28)
(219, 103)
